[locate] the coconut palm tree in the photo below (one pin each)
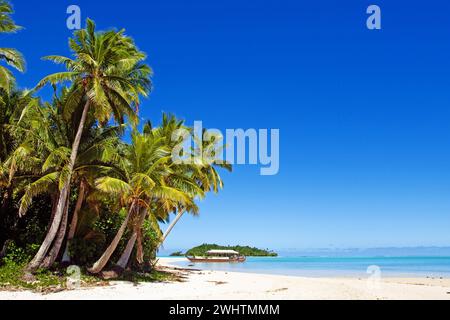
(97, 157)
(108, 75)
(46, 137)
(142, 183)
(11, 56)
(194, 179)
(202, 172)
(94, 158)
(158, 212)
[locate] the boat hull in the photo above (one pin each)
(212, 259)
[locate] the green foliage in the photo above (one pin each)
(110, 179)
(7, 24)
(15, 254)
(12, 270)
(12, 275)
(27, 232)
(108, 224)
(85, 251)
(244, 250)
(86, 247)
(150, 243)
(177, 254)
(10, 56)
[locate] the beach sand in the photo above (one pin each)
(233, 285)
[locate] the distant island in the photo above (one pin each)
(177, 254)
(244, 250)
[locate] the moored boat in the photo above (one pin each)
(218, 256)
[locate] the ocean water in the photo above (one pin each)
(334, 266)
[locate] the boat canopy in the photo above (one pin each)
(217, 251)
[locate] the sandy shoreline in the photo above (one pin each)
(235, 285)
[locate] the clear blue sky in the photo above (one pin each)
(363, 115)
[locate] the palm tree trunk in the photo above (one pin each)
(54, 198)
(125, 257)
(54, 251)
(103, 260)
(74, 222)
(43, 249)
(172, 224)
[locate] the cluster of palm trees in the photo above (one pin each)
(74, 145)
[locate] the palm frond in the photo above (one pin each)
(13, 58)
(42, 185)
(112, 185)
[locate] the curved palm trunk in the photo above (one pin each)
(43, 249)
(54, 198)
(172, 224)
(103, 260)
(125, 257)
(74, 222)
(54, 251)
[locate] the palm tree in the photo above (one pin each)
(158, 212)
(96, 158)
(108, 75)
(11, 56)
(12, 105)
(47, 139)
(193, 179)
(93, 160)
(179, 178)
(201, 172)
(141, 184)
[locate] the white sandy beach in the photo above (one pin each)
(234, 285)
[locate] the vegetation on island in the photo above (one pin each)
(177, 254)
(73, 190)
(244, 250)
